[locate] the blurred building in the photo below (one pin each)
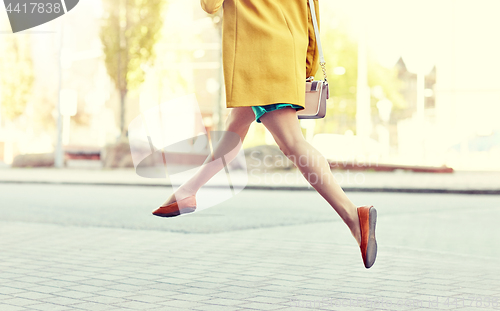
(409, 91)
(465, 99)
(408, 134)
(468, 88)
(462, 90)
(188, 61)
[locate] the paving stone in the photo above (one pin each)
(49, 307)
(47, 289)
(261, 306)
(148, 298)
(18, 301)
(182, 304)
(91, 306)
(10, 290)
(223, 301)
(104, 299)
(114, 293)
(73, 294)
(271, 300)
(61, 300)
(208, 307)
(223, 271)
(136, 305)
(190, 297)
(7, 307)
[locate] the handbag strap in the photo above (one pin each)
(322, 62)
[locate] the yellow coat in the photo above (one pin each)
(268, 48)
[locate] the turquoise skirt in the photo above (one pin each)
(260, 110)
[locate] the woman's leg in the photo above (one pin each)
(238, 122)
(284, 126)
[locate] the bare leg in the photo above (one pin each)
(284, 126)
(238, 122)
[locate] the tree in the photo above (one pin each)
(129, 32)
(16, 80)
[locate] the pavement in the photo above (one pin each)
(85, 240)
(51, 267)
(467, 182)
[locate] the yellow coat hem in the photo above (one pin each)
(231, 105)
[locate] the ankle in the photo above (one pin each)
(351, 215)
(183, 192)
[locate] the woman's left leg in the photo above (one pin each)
(284, 126)
(238, 122)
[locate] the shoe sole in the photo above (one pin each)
(371, 248)
(185, 210)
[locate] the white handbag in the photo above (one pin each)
(317, 92)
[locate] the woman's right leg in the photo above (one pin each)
(238, 122)
(284, 126)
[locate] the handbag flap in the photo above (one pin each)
(313, 86)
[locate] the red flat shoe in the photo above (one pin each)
(367, 219)
(184, 206)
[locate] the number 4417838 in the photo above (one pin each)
(472, 301)
(33, 8)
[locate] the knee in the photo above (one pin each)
(237, 124)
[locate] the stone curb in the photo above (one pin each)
(271, 188)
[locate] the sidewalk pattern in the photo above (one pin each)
(52, 267)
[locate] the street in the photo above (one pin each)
(70, 247)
